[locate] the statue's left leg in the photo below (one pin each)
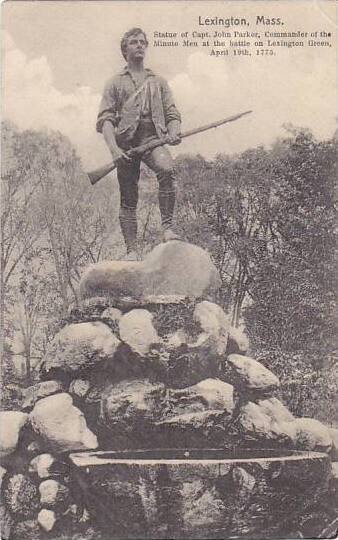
(161, 162)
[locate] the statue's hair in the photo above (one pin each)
(126, 35)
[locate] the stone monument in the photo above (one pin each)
(152, 420)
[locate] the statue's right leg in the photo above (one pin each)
(128, 174)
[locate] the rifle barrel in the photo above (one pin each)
(213, 124)
(95, 176)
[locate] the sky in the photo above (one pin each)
(58, 55)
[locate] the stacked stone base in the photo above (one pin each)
(148, 360)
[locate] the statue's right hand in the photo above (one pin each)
(119, 157)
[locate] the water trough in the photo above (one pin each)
(200, 493)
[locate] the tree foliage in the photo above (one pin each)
(268, 219)
(267, 216)
(50, 231)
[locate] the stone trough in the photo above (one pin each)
(200, 493)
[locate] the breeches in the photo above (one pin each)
(158, 160)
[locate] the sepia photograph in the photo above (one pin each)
(168, 274)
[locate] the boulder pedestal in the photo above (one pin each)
(147, 359)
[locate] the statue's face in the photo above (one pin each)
(136, 47)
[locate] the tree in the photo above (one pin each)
(293, 290)
(48, 220)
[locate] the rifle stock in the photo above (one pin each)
(101, 172)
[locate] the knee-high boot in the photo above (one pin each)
(166, 197)
(128, 223)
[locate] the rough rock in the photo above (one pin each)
(202, 507)
(61, 424)
(171, 268)
(6, 523)
(308, 434)
(276, 410)
(46, 519)
(195, 415)
(131, 402)
(243, 481)
(249, 375)
(215, 325)
(38, 391)
(53, 493)
(79, 387)
(78, 347)
(238, 342)
(137, 330)
(210, 394)
(255, 423)
(11, 423)
(21, 496)
(47, 466)
(28, 529)
(270, 420)
(263, 424)
(129, 410)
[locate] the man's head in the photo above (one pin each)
(134, 42)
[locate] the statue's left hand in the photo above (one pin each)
(174, 139)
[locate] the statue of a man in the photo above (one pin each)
(137, 106)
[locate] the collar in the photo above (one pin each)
(125, 71)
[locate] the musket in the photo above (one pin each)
(101, 172)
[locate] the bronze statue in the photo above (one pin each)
(137, 107)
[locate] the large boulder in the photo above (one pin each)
(270, 420)
(79, 347)
(142, 413)
(266, 421)
(249, 376)
(172, 268)
(137, 330)
(276, 410)
(130, 409)
(255, 424)
(11, 423)
(62, 425)
(128, 415)
(215, 327)
(308, 434)
(207, 395)
(195, 415)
